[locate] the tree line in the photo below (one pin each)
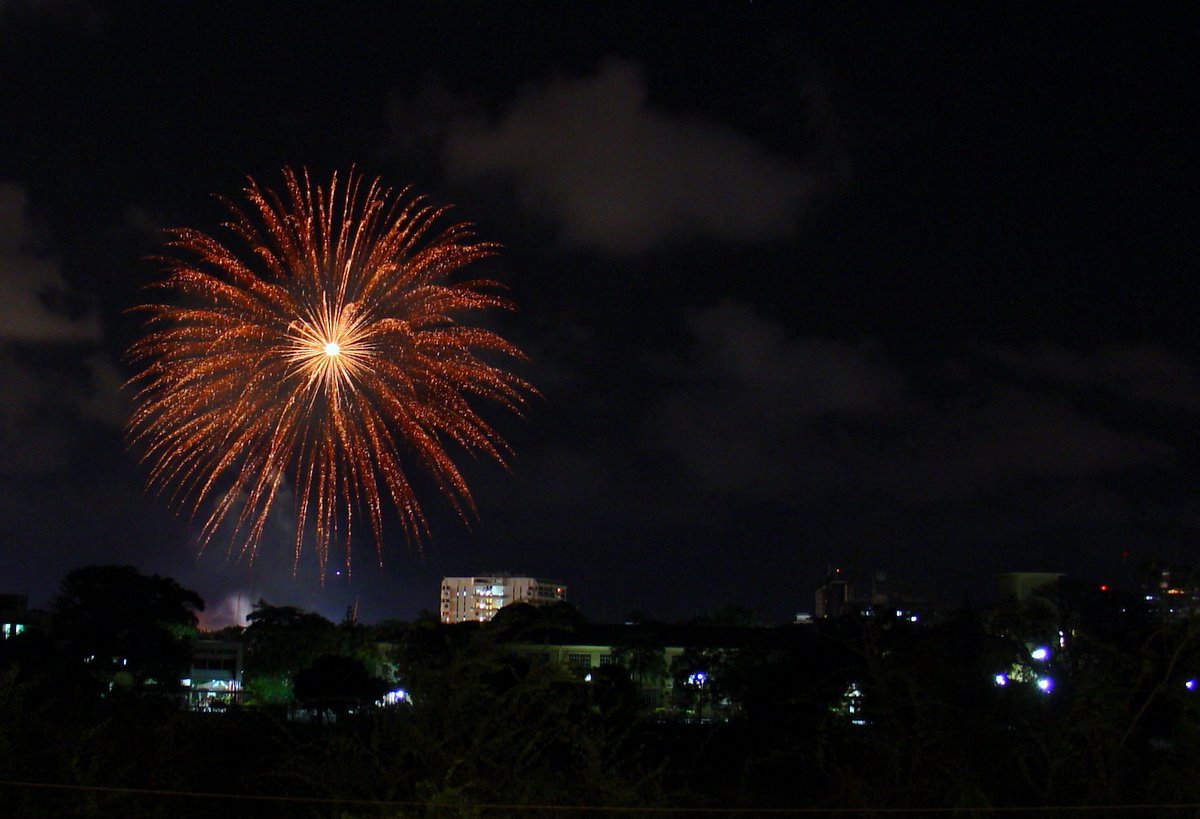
(869, 713)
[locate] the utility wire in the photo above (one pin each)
(745, 811)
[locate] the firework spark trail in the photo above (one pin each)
(332, 352)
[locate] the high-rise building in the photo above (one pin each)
(833, 596)
(479, 598)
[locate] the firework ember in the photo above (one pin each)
(329, 346)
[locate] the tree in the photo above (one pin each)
(280, 641)
(521, 621)
(335, 683)
(127, 627)
(285, 639)
(641, 653)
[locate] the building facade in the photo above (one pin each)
(479, 598)
(214, 678)
(833, 597)
(14, 614)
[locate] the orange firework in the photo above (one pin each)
(332, 351)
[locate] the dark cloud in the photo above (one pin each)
(31, 440)
(621, 176)
(76, 15)
(753, 410)
(821, 449)
(52, 374)
(586, 492)
(811, 376)
(758, 413)
(1142, 372)
(1013, 437)
(29, 280)
(47, 413)
(102, 397)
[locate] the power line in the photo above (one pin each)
(741, 811)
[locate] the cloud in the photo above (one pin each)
(622, 177)
(230, 610)
(832, 446)
(30, 439)
(51, 375)
(1139, 372)
(29, 282)
(1016, 437)
(757, 414)
(41, 409)
(76, 14)
(102, 399)
(811, 376)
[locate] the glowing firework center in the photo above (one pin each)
(330, 348)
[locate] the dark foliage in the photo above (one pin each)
(862, 713)
(338, 684)
(126, 627)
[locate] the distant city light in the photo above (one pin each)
(1041, 654)
(1045, 685)
(698, 679)
(1001, 680)
(1190, 685)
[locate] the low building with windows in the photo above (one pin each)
(478, 599)
(14, 615)
(681, 671)
(214, 678)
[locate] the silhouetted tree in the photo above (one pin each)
(641, 652)
(338, 684)
(280, 641)
(125, 626)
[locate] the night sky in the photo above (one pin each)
(907, 290)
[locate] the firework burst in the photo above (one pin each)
(334, 351)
